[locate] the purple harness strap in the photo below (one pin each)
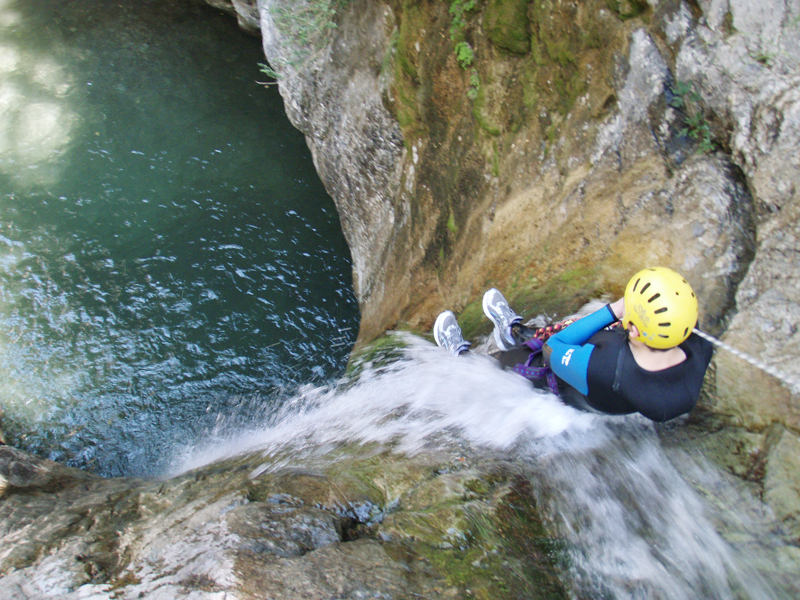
(535, 373)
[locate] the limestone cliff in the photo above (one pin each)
(549, 149)
(244, 529)
(553, 148)
(566, 146)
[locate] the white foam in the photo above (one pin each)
(407, 403)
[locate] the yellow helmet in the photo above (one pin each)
(662, 305)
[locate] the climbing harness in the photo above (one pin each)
(793, 383)
(536, 346)
(536, 373)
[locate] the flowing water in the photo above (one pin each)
(174, 288)
(168, 256)
(635, 529)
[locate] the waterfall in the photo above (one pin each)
(635, 528)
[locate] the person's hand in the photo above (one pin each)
(618, 308)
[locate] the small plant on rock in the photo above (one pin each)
(465, 55)
(307, 27)
(474, 85)
(686, 99)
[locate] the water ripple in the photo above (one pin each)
(169, 248)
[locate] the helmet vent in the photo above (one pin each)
(662, 305)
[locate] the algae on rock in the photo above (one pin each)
(363, 520)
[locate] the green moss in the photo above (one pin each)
(560, 295)
(508, 25)
(477, 486)
(552, 134)
(471, 563)
(540, 558)
(406, 77)
(554, 76)
(451, 224)
(565, 80)
(537, 51)
(627, 9)
(561, 51)
(502, 553)
(569, 87)
(407, 112)
(408, 33)
(530, 92)
(480, 116)
(484, 123)
(486, 582)
(472, 321)
(380, 352)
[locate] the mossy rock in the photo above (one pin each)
(557, 297)
(447, 488)
(508, 25)
(494, 548)
(628, 9)
(442, 528)
(382, 351)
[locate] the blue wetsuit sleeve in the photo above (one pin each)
(570, 357)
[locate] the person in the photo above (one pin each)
(638, 354)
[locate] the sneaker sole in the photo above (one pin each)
(437, 327)
(486, 310)
(498, 340)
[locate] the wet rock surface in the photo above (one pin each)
(584, 141)
(227, 532)
(576, 163)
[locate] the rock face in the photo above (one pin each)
(238, 530)
(550, 149)
(554, 148)
(558, 154)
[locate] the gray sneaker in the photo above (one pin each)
(497, 309)
(447, 333)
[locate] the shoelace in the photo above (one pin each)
(452, 336)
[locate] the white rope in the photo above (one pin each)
(793, 383)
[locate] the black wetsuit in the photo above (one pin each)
(597, 371)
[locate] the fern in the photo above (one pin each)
(464, 54)
(696, 127)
